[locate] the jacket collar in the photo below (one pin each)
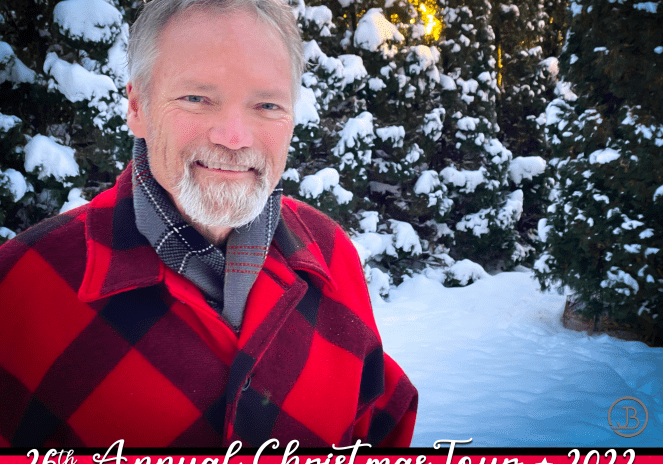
(119, 258)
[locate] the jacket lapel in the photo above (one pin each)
(293, 259)
(122, 260)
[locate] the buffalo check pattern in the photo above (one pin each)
(100, 341)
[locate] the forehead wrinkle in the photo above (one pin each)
(197, 85)
(276, 93)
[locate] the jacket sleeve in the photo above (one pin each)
(389, 416)
(390, 421)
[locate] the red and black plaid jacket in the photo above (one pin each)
(100, 341)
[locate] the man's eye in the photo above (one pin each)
(269, 106)
(194, 98)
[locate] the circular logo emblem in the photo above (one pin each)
(631, 410)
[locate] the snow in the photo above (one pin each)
(16, 183)
(49, 158)
(485, 77)
(510, 9)
(500, 153)
(631, 224)
(433, 123)
(468, 123)
(541, 264)
(355, 129)
(535, 51)
(425, 58)
(395, 134)
(8, 121)
(492, 362)
(447, 82)
(603, 198)
(320, 15)
(510, 213)
(658, 192)
(651, 251)
(333, 66)
(617, 277)
(563, 89)
(7, 233)
(378, 281)
(343, 196)
(468, 86)
(658, 50)
(427, 182)
(311, 187)
(363, 253)
(466, 272)
(375, 244)
(88, 20)
(543, 229)
(324, 180)
(477, 223)
(291, 174)
(369, 221)
(633, 248)
(526, 167)
(376, 84)
(74, 200)
(647, 132)
(374, 30)
(603, 156)
(468, 180)
(12, 69)
(298, 8)
(353, 68)
(649, 7)
(405, 237)
(305, 110)
(75, 82)
(647, 233)
(414, 154)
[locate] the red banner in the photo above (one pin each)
(445, 452)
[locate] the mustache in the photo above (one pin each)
(249, 157)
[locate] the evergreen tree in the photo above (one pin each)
(61, 72)
(527, 76)
(365, 113)
(604, 231)
(527, 79)
(474, 163)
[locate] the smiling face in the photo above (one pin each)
(220, 116)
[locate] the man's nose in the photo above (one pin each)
(232, 130)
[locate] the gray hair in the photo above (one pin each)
(143, 48)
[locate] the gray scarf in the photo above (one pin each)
(225, 280)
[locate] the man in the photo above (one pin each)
(192, 305)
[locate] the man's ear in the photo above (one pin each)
(136, 118)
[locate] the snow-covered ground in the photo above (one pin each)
(492, 362)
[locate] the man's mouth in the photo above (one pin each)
(223, 166)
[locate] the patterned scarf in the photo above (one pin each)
(225, 280)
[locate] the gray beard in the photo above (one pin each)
(224, 204)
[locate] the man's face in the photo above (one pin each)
(220, 115)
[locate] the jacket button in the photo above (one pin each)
(246, 384)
